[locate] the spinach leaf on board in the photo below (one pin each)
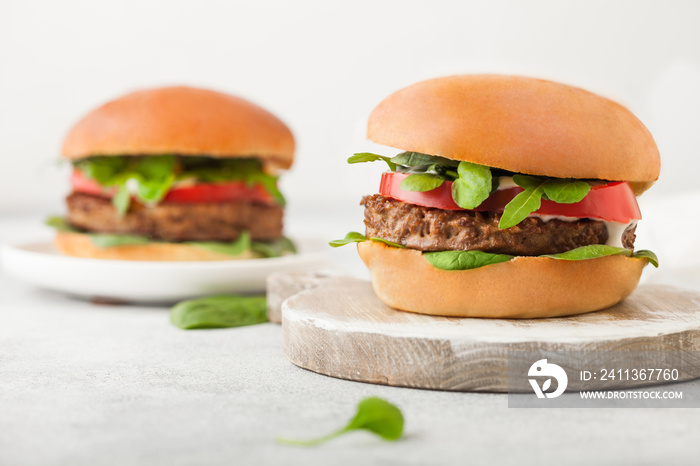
(219, 312)
(464, 260)
(373, 414)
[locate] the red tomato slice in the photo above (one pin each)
(613, 201)
(220, 192)
(440, 197)
(204, 192)
(83, 184)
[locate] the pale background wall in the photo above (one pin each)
(323, 65)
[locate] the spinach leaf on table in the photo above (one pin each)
(373, 414)
(219, 312)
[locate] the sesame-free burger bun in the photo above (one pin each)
(81, 245)
(182, 121)
(520, 124)
(522, 288)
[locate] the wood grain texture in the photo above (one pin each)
(341, 329)
(283, 285)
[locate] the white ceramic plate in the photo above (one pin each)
(152, 282)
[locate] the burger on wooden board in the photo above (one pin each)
(176, 174)
(515, 198)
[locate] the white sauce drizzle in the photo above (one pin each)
(506, 182)
(616, 230)
(547, 218)
(132, 186)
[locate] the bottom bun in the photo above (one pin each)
(522, 288)
(80, 245)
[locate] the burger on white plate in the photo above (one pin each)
(515, 198)
(176, 174)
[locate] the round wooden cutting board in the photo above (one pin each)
(340, 328)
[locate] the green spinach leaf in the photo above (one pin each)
(537, 188)
(153, 176)
(528, 181)
(355, 237)
(376, 239)
(463, 260)
(566, 191)
(232, 248)
(414, 159)
(524, 203)
(374, 414)
(594, 251)
(264, 249)
(421, 182)
(106, 240)
(61, 224)
(473, 185)
(104, 170)
(369, 157)
(277, 248)
(352, 237)
(208, 170)
(122, 200)
(219, 312)
(647, 254)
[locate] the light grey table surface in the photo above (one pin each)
(86, 384)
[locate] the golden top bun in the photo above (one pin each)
(523, 288)
(182, 121)
(80, 245)
(519, 124)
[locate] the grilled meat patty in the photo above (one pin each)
(170, 221)
(431, 229)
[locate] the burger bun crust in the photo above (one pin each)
(520, 124)
(522, 288)
(182, 121)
